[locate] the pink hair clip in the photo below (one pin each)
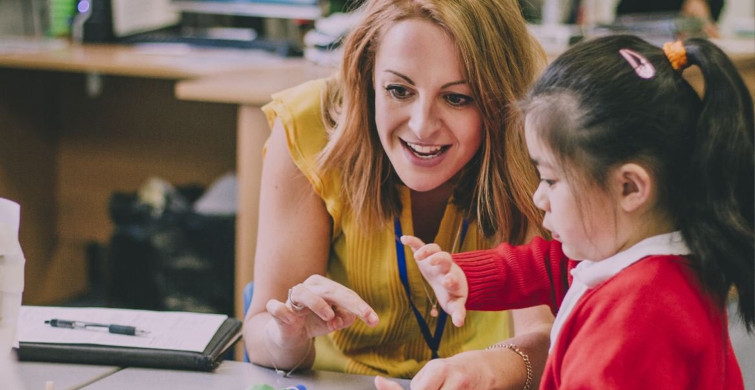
(641, 65)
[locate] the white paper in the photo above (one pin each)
(11, 273)
(134, 16)
(181, 331)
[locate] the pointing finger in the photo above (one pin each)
(413, 242)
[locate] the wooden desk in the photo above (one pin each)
(229, 375)
(64, 151)
(34, 375)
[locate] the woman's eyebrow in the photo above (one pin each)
(401, 75)
(410, 81)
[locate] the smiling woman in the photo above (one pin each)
(416, 134)
(426, 118)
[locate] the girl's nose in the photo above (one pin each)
(539, 198)
(424, 120)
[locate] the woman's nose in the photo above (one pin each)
(424, 120)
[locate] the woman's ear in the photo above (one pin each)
(636, 187)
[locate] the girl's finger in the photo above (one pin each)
(413, 242)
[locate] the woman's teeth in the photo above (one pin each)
(425, 151)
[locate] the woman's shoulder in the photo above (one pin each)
(298, 105)
(307, 93)
(300, 110)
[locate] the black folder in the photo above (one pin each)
(226, 336)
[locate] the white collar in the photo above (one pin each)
(588, 274)
(592, 273)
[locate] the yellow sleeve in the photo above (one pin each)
(300, 111)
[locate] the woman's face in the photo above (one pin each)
(426, 117)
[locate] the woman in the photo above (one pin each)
(415, 135)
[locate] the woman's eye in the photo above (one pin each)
(458, 100)
(398, 91)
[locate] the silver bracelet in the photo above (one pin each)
(275, 366)
(527, 364)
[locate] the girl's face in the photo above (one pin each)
(586, 229)
(427, 120)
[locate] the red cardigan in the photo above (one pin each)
(651, 326)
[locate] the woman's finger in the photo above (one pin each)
(331, 294)
(306, 298)
(343, 319)
(281, 312)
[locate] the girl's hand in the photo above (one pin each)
(385, 384)
(445, 277)
(316, 307)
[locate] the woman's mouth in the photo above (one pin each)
(425, 152)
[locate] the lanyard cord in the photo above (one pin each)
(432, 341)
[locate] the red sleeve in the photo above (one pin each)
(512, 277)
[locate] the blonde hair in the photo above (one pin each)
(499, 59)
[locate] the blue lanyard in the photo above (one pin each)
(432, 340)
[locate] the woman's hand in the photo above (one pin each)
(445, 277)
(316, 307)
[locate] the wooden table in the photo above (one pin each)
(81, 122)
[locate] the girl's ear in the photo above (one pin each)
(636, 187)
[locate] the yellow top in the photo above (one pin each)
(367, 264)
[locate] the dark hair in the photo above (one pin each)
(594, 112)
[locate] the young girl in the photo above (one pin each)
(649, 189)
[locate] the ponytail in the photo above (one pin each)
(717, 222)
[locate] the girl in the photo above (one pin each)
(649, 189)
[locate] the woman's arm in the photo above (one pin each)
(293, 245)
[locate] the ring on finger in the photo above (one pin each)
(295, 306)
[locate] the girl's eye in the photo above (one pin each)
(458, 100)
(549, 183)
(398, 91)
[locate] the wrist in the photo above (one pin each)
(283, 338)
(284, 356)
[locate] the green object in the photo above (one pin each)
(261, 387)
(61, 14)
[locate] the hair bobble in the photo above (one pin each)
(676, 54)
